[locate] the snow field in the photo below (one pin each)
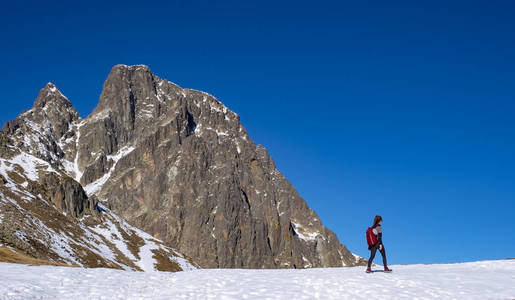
(476, 280)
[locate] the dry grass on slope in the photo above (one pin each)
(10, 256)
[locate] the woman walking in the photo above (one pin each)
(375, 241)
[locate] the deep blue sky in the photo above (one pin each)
(405, 109)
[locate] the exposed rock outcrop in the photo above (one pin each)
(177, 164)
(181, 166)
(46, 214)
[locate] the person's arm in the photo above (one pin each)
(379, 236)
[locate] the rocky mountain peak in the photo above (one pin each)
(121, 86)
(131, 67)
(179, 164)
(51, 106)
(45, 212)
(46, 128)
(50, 98)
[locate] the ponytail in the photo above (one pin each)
(377, 219)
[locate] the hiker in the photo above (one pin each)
(375, 241)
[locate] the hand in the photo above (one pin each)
(380, 247)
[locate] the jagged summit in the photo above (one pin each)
(45, 130)
(46, 214)
(141, 66)
(51, 86)
(51, 94)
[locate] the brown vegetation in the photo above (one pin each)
(11, 256)
(164, 263)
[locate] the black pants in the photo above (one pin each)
(373, 254)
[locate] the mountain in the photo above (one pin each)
(177, 164)
(45, 214)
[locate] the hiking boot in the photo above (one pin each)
(369, 270)
(387, 270)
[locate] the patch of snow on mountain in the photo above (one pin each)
(199, 130)
(95, 186)
(101, 115)
(147, 262)
(28, 163)
(308, 265)
(222, 133)
(60, 245)
(111, 233)
(183, 262)
(146, 259)
(356, 257)
(76, 171)
(303, 233)
(146, 110)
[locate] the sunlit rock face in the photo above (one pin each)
(179, 165)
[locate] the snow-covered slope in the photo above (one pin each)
(46, 215)
(476, 280)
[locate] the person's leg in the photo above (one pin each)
(372, 254)
(383, 253)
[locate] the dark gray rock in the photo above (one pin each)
(67, 195)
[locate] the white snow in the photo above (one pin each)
(475, 280)
(104, 114)
(146, 260)
(76, 170)
(95, 186)
(61, 242)
(183, 262)
(111, 233)
(28, 163)
(146, 108)
(303, 233)
(147, 263)
(34, 127)
(199, 130)
(308, 265)
(133, 67)
(222, 133)
(217, 109)
(38, 135)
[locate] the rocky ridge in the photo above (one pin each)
(179, 165)
(47, 215)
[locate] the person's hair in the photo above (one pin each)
(377, 219)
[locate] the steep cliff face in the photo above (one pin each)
(179, 164)
(46, 214)
(173, 162)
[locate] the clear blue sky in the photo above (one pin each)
(403, 109)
